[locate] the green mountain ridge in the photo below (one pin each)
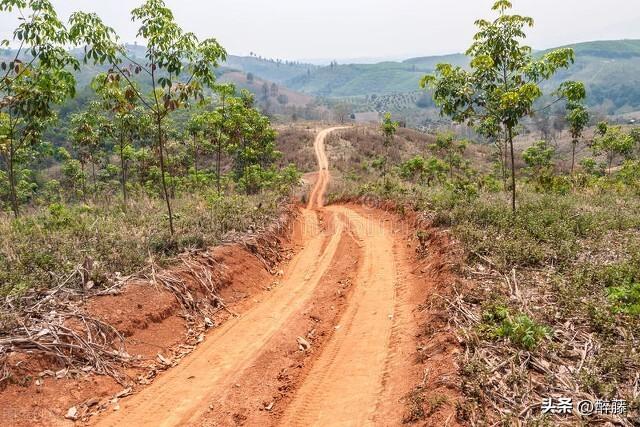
(610, 69)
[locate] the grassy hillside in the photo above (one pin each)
(608, 48)
(610, 69)
(359, 79)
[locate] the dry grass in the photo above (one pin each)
(296, 144)
(39, 251)
(351, 151)
(562, 272)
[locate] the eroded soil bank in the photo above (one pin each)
(162, 318)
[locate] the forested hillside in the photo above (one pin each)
(610, 69)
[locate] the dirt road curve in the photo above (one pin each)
(344, 386)
(317, 194)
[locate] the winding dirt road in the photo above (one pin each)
(345, 385)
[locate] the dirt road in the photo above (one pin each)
(345, 384)
(316, 198)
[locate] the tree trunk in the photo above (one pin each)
(123, 169)
(450, 168)
(142, 169)
(513, 172)
(162, 173)
(195, 154)
(93, 174)
(384, 166)
(610, 163)
(218, 167)
(84, 183)
(505, 162)
(573, 155)
(12, 181)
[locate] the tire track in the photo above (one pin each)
(182, 394)
(345, 383)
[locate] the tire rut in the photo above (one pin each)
(346, 381)
(181, 394)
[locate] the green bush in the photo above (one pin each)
(520, 330)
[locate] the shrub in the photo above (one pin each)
(520, 330)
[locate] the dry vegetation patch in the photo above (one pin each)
(545, 304)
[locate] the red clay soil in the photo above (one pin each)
(350, 331)
(422, 370)
(152, 321)
(263, 390)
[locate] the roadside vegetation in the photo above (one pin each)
(546, 302)
(163, 159)
(160, 160)
(552, 290)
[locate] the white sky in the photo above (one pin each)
(374, 29)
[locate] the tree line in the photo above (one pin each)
(175, 136)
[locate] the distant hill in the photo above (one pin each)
(610, 69)
(611, 72)
(608, 48)
(277, 71)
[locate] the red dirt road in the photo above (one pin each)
(350, 379)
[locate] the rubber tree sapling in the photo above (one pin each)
(38, 76)
(177, 64)
(88, 132)
(450, 149)
(612, 141)
(216, 125)
(388, 129)
(127, 117)
(578, 119)
(503, 82)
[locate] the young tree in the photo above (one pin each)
(635, 134)
(72, 173)
(449, 149)
(578, 118)
(177, 64)
(38, 77)
(613, 142)
(195, 131)
(503, 82)
(129, 120)
(88, 132)
(251, 139)
(425, 170)
(538, 159)
(388, 129)
(342, 111)
(217, 128)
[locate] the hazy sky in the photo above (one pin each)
(349, 29)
